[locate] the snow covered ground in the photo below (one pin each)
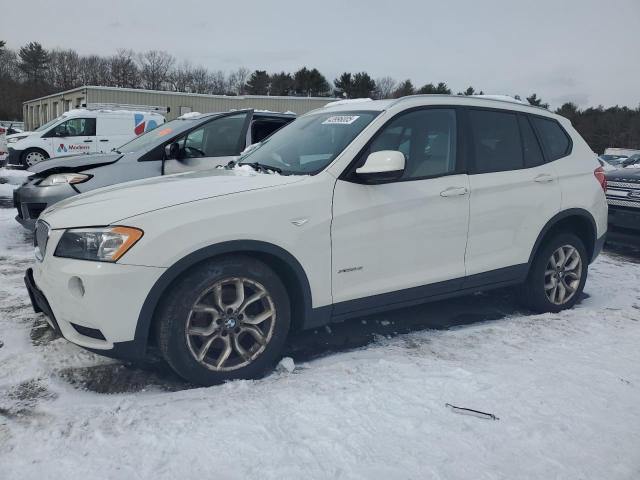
(566, 389)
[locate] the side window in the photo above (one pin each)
(261, 129)
(218, 138)
(532, 153)
(553, 137)
(221, 137)
(80, 127)
(496, 139)
(427, 138)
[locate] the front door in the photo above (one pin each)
(76, 135)
(217, 142)
(407, 238)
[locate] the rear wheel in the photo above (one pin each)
(32, 156)
(557, 276)
(226, 319)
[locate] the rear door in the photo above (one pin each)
(214, 143)
(513, 191)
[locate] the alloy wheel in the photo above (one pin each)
(563, 274)
(230, 324)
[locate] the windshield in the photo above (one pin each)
(310, 143)
(156, 136)
(48, 124)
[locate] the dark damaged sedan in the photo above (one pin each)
(623, 197)
(194, 142)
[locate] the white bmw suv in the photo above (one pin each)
(351, 209)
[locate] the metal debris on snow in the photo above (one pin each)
(473, 413)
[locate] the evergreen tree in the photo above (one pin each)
(310, 83)
(405, 88)
(569, 110)
(343, 85)
(258, 83)
(536, 102)
(363, 86)
(471, 91)
(282, 84)
(34, 61)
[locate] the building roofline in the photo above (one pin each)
(167, 92)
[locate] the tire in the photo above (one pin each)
(537, 293)
(191, 321)
(32, 156)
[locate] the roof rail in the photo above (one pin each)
(494, 98)
(125, 106)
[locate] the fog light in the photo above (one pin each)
(76, 287)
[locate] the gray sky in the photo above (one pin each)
(586, 51)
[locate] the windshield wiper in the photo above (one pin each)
(260, 167)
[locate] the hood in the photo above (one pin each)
(73, 163)
(109, 205)
(628, 175)
(19, 134)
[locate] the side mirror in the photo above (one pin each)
(172, 151)
(383, 166)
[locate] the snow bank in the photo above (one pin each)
(13, 177)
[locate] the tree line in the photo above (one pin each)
(34, 71)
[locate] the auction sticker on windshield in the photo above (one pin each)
(341, 120)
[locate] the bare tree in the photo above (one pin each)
(181, 78)
(155, 66)
(218, 83)
(9, 64)
(64, 69)
(238, 81)
(124, 71)
(385, 87)
(94, 70)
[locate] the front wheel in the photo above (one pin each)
(557, 276)
(32, 156)
(226, 319)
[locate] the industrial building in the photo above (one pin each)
(40, 110)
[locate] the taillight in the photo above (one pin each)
(2, 130)
(601, 177)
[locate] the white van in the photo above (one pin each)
(79, 131)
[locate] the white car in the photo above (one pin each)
(348, 210)
(79, 131)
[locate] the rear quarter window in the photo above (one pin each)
(555, 140)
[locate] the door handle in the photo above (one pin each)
(88, 141)
(454, 192)
(104, 139)
(543, 178)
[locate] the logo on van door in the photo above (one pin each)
(62, 148)
(141, 126)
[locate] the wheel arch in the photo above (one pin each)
(285, 265)
(574, 220)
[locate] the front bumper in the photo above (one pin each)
(14, 157)
(624, 218)
(92, 304)
(30, 201)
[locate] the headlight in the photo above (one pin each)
(106, 244)
(60, 178)
(15, 139)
